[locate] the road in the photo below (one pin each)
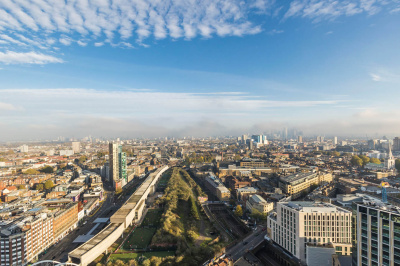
(246, 244)
(63, 247)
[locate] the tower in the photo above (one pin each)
(114, 162)
(390, 161)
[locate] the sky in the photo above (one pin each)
(153, 68)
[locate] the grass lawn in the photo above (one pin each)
(152, 218)
(140, 238)
(129, 256)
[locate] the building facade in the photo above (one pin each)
(376, 233)
(297, 224)
(256, 202)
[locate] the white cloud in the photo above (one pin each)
(375, 77)
(330, 9)
(7, 107)
(115, 21)
(81, 43)
(27, 58)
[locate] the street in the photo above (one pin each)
(246, 244)
(61, 249)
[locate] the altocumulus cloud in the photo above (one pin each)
(44, 23)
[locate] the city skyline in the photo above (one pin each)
(145, 68)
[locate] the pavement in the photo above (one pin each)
(246, 244)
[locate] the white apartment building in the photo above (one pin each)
(297, 224)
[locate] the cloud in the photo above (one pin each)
(375, 77)
(7, 107)
(318, 10)
(275, 31)
(118, 21)
(27, 58)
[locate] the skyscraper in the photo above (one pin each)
(113, 165)
(396, 144)
(335, 140)
(117, 164)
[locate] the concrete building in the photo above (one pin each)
(376, 237)
(24, 148)
(390, 161)
(335, 140)
(76, 147)
(256, 202)
(215, 185)
(13, 245)
(297, 224)
(294, 185)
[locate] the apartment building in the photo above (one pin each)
(294, 185)
(65, 220)
(256, 202)
(215, 185)
(13, 244)
(297, 224)
(40, 235)
(376, 233)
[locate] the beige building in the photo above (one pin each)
(294, 185)
(297, 224)
(256, 202)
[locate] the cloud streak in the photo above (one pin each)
(27, 58)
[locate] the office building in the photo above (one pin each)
(76, 147)
(296, 224)
(335, 141)
(376, 233)
(13, 244)
(300, 139)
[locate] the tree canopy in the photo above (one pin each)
(47, 170)
(356, 161)
(239, 211)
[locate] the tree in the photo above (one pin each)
(31, 172)
(239, 211)
(335, 153)
(39, 186)
(47, 170)
(364, 159)
(21, 186)
(356, 161)
(82, 159)
(375, 160)
(48, 184)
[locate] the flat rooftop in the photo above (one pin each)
(310, 206)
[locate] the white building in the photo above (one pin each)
(76, 147)
(24, 148)
(297, 224)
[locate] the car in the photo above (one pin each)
(85, 222)
(245, 243)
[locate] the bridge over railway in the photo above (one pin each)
(129, 213)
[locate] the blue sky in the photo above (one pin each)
(153, 68)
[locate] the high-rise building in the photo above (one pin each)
(297, 224)
(117, 164)
(396, 144)
(335, 140)
(76, 147)
(376, 233)
(24, 148)
(372, 144)
(300, 139)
